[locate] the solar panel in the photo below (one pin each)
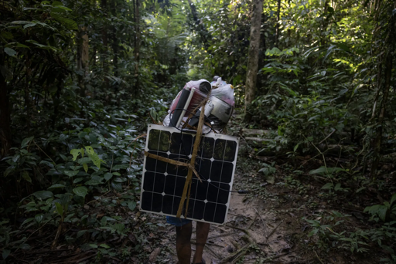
(163, 183)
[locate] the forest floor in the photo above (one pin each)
(268, 222)
(265, 222)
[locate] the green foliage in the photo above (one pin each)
(385, 211)
(68, 129)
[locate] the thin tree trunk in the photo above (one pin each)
(103, 5)
(115, 50)
(82, 58)
(137, 46)
(5, 120)
(252, 66)
(389, 56)
(324, 25)
(82, 64)
(93, 66)
(277, 24)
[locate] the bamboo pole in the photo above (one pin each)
(187, 184)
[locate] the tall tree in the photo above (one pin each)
(104, 55)
(115, 43)
(5, 132)
(82, 58)
(252, 65)
(277, 23)
(137, 46)
(385, 65)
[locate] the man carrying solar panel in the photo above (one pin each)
(223, 105)
(219, 106)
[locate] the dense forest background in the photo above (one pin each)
(80, 81)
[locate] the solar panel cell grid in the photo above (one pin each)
(163, 183)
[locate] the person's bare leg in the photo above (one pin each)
(202, 236)
(183, 243)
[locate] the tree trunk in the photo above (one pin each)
(389, 56)
(252, 66)
(82, 64)
(5, 120)
(137, 47)
(115, 50)
(277, 24)
(103, 5)
(82, 58)
(324, 24)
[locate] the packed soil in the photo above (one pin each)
(255, 232)
(266, 220)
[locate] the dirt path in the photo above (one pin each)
(267, 223)
(253, 233)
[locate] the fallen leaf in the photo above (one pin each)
(153, 256)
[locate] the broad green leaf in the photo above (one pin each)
(116, 186)
(10, 52)
(45, 162)
(43, 195)
(71, 173)
(93, 156)
(119, 179)
(57, 3)
(328, 170)
(393, 198)
(92, 182)
(67, 22)
(55, 186)
(119, 166)
(108, 176)
(16, 157)
(81, 232)
(60, 8)
(320, 170)
(81, 191)
(59, 209)
(20, 22)
(77, 180)
(104, 246)
(39, 218)
(85, 166)
(25, 175)
(63, 156)
(328, 186)
(296, 147)
(29, 25)
(76, 152)
(132, 205)
(382, 212)
(84, 160)
(27, 221)
(9, 170)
